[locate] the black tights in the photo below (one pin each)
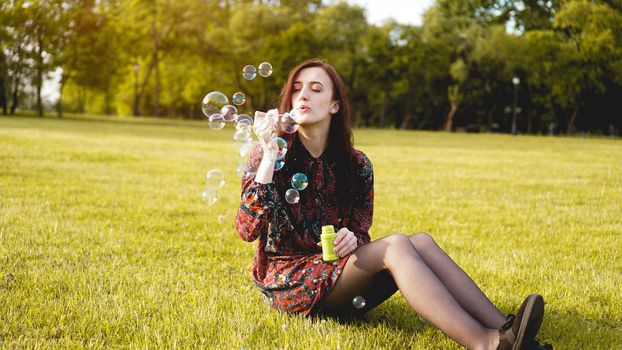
(434, 286)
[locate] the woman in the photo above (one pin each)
(288, 266)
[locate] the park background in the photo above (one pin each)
(104, 240)
(478, 65)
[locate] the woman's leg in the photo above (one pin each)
(374, 291)
(457, 282)
(425, 293)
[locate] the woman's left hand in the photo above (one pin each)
(345, 243)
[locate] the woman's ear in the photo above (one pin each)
(335, 108)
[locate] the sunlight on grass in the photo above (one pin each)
(104, 241)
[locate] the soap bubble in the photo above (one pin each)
(244, 119)
(243, 135)
(292, 196)
(229, 113)
(213, 103)
(247, 148)
(215, 179)
(265, 69)
(246, 129)
(209, 197)
(359, 302)
(282, 144)
(279, 165)
(249, 72)
(299, 181)
(240, 170)
(287, 123)
(238, 98)
(216, 121)
(244, 168)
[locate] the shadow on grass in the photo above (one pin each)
(564, 330)
(573, 330)
(398, 317)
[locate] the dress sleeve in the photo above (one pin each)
(363, 202)
(257, 200)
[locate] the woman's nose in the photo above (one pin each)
(303, 95)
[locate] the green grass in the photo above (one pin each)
(104, 241)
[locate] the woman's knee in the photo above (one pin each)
(422, 241)
(398, 240)
(399, 245)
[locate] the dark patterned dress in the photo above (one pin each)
(288, 266)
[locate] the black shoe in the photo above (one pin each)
(520, 331)
(535, 345)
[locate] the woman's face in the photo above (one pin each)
(312, 96)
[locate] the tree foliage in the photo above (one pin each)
(160, 57)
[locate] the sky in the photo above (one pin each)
(376, 11)
(403, 11)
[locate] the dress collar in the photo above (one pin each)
(304, 154)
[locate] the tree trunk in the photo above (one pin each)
(529, 122)
(490, 115)
(107, 104)
(573, 118)
(492, 110)
(383, 111)
(450, 117)
(358, 117)
(156, 99)
(143, 84)
(17, 71)
(3, 96)
(156, 64)
(406, 121)
(59, 107)
(3, 91)
(39, 88)
(15, 99)
(81, 98)
(39, 79)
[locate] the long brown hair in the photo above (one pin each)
(340, 137)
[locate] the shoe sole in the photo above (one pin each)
(531, 321)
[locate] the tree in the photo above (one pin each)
(495, 60)
(455, 97)
(341, 28)
(12, 16)
(593, 54)
(43, 29)
(90, 55)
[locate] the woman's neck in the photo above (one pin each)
(314, 138)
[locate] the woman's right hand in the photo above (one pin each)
(265, 127)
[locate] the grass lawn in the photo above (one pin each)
(104, 241)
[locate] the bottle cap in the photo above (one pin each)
(328, 229)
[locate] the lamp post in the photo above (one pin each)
(515, 81)
(136, 68)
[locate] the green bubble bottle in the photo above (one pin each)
(328, 243)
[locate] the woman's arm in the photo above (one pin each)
(257, 199)
(265, 126)
(258, 191)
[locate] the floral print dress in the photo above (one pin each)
(288, 266)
